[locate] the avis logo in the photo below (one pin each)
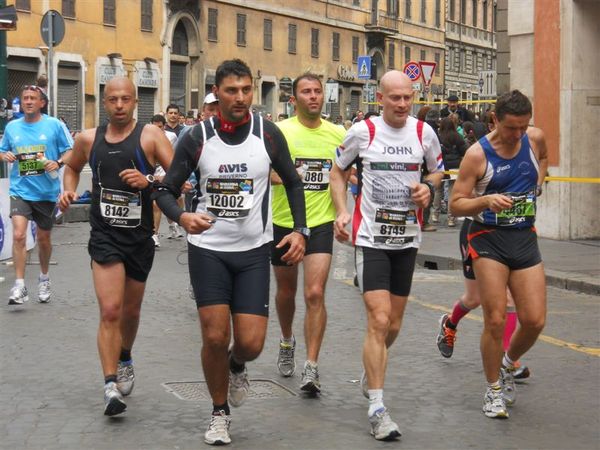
(231, 168)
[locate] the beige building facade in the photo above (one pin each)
(171, 49)
(551, 54)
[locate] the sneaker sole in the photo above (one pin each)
(392, 436)
(44, 301)
(114, 407)
(493, 415)
(15, 302)
(310, 388)
(217, 442)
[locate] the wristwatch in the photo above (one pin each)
(431, 189)
(303, 231)
(150, 179)
(60, 163)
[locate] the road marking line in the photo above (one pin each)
(593, 351)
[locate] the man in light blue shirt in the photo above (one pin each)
(35, 145)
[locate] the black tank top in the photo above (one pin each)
(118, 209)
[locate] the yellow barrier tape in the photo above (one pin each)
(565, 179)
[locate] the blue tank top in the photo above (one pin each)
(516, 178)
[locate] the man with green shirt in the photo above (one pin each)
(312, 143)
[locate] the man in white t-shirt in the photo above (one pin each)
(388, 151)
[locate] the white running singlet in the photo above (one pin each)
(389, 162)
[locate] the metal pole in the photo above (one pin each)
(51, 111)
(3, 73)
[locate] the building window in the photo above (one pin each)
(335, 46)
(241, 30)
(423, 55)
(391, 55)
(463, 11)
(393, 8)
(292, 33)
(436, 57)
(474, 13)
(147, 15)
(68, 8)
(355, 43)
(438, 13)
(407, 8)
(213, 15)
(423, 11)
(180, 40)
(268, 34)
(109, 12)
(356, 2)
(485, 13)
(23, 5)
(314, 42)
(452, 9)
(406, 55)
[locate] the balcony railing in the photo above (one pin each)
(383, 22)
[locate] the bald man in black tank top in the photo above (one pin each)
(122, 156)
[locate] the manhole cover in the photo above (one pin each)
(197, 390)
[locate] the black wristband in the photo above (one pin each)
(60, 163)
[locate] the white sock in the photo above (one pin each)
(375, 401)
(495, 385)
(507, 362)
(20, 282)
(288, 341)
(44, 276)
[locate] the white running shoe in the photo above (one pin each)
(383, 428)
(156, 240)
(310, 379)
(285, 359)
(44, 292)
(494, 405)
(509, 389)
(18, 295)
(218, 429)
(125, 377)
(113, 400)
(238, 387)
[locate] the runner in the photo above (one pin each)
(312, 143)
(505, 170)
(229, 233)
(36, 144)
(389, 151)
(122, 156)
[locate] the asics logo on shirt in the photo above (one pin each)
(231, 168)
(502, 168)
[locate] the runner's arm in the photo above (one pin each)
(539, 140)
(74, 161)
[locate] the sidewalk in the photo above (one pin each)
(572, 265)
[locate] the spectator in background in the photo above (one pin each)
(422, 115)
(452, 106)
(358, 116)
(210, 107)
(453, 150)
(469, 131)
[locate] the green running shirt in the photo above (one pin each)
(313, 153)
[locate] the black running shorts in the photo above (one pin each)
(237, 279)
(516, 248)
(390, 270)
(137, 258)
(42, 213)
(321, 241)
(463, 243)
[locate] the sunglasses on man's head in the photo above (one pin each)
(33, 87)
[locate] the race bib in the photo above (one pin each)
(392, 227)
(522, 210)
(230, 198)
(314, 173)
(31, 164)
(121, 208)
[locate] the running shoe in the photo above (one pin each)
(175, 231)
(18, 295)
(445, 338)
(494, 405)
(310, 379)
(285, 360)
(521, 373)
(218, 429)
(364, 386)
(156, 240)
(238, 387)
(125, 377)
(383, 428)
(44, 292)
(507, 380)
(113, 400)
(451, 222)
(435, 217)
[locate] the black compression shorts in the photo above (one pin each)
(237, 279)
(390, 270)
(463, 243)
